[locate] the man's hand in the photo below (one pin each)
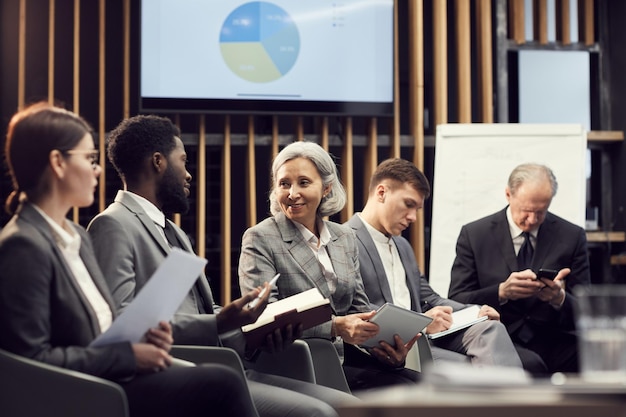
(280, 339)
(442, 319)
(356, 328)
(237, 313)
(522, 284)
(490, 312)
(553, 291)
(394, 356)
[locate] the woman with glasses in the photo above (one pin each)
(53, 297)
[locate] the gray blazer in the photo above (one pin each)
(129, 248)
(276, 246)
(423, 297)
(44, 314)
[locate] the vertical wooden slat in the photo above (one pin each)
(586, 25)
(274, 136)
(540, 21)
(102, 102)
(464, 62)
(347, 170)
(76, 62)
(126, 91)
(371, 156)
(299, 129)
(250, 176)
(324, 132)
(201, 189)
(563, 26)
(21, 56)
(516, 20)
(226, 214)
(51, 39)
(395, 131)
(416, 109)
(76, 76)
(440, 53)
(485, 60)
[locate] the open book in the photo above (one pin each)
(394, 320)
(308, 308)
(461, 319)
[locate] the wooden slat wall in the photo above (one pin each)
(472, 35)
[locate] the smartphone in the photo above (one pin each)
(547, 273)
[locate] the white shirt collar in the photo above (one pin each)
(151, 210)
(376, 234)
(513, 228)
(69, 240)
(309, 236)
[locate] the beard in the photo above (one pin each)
(172, 194)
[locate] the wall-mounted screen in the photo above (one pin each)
(275, 56)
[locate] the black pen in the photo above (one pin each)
(254, 302)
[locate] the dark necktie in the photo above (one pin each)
(172, 239)
(170, 235)
(525, 254)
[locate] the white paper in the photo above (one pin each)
(460, 320)
(158, 300)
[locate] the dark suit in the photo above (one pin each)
(138, 250)
(485, 343)
(45, 316)
(275, 245)
(485, 257)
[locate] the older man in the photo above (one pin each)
(497, 260)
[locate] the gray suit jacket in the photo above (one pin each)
(276, 246)
(129, 248)
(485, 257)
(423, 297)
(44, 314)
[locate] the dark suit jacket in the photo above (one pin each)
(129, 248)
(485, 257)
(423, 297)
(276, 246)
(43, 313)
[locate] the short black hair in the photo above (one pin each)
(138, 138)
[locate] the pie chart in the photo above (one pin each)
(259, 42)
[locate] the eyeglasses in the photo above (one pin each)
(92, 154)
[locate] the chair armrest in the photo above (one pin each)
(294, 362)
(327, 365)
(33, 388)
(209, 354)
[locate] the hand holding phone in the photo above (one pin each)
(547, 274)
(256, 301)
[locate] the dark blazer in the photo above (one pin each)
(485, 257)
(129, 248)
(423, 297)
(276, 246)
(43, 313)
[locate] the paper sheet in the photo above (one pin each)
(158, 300)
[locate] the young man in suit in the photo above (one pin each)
(391, 275)
(497, 259)
(133, 236)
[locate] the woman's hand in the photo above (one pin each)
(161, 336)
(355, 328)
(153, 355)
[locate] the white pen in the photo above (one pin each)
(254, 302)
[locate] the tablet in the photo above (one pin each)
(396, 320)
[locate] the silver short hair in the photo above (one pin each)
(531, 172)
(326, 167)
